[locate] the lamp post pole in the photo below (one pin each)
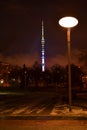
(69, 22)
(69, 68)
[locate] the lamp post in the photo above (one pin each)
(68, 22)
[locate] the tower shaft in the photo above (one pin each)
(43, 48)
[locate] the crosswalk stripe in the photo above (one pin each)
(40, 110)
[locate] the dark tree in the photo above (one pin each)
(36, 68)
(57, 74)
(24, 77)
(76, 77)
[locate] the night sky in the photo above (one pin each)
(20, 31)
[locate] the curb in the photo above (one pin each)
(43, 117)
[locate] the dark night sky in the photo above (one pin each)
(20, 31)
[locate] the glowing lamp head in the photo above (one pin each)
(68, 22)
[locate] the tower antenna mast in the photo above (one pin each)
(43, 48)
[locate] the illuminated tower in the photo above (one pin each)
(43, 49)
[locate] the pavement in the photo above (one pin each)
(63, 110)
(43, 124)
(59, 119)
(58, 112)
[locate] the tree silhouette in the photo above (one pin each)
(76, 77)
(57, 75)
(36, 68)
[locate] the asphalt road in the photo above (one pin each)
(43, 124)
(28, 104)
(34, 103)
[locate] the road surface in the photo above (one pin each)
(43, 125)
(28, 104)
(34, 104)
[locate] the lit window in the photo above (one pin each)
(43, 68)
(42, 53)
(42, 60)
(42, 45)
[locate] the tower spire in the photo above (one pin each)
(43, 48)
(42, 30)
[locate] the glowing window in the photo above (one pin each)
(42, 60)
(42, 53)
(43, 68)
(42, 50)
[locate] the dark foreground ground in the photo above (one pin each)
(41, 102)
(42, 110)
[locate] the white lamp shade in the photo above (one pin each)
(68, 22)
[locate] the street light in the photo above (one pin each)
(68, 22)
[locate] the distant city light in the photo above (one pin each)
(13, 79)
(2, 81)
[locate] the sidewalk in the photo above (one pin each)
(63, 111)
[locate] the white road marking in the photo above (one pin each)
(17, 111)
(40, 110)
